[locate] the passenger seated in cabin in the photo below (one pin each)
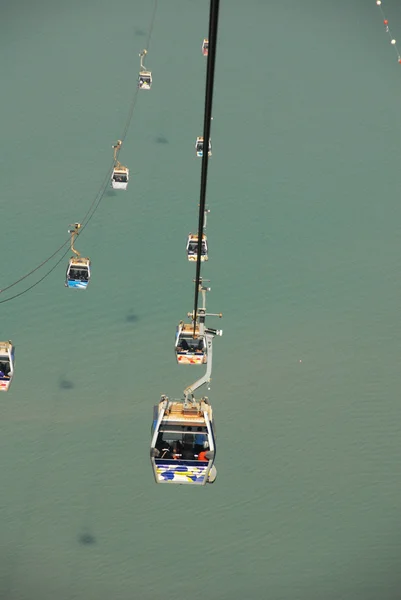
(177, 450)
(78, 275)
(204, 455)
(188, 452)
(163, 449)
(198, 347)
(165, 452)
(4, 369)
(184, 346)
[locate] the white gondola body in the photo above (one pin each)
(189, 350)
(192, 248)
(78, 273)
(7, 363)
(120, 178)
(145, 80)
(190, 427)
(199, 147)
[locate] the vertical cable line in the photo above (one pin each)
(211, 61)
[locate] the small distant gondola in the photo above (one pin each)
(192, 248)
(7, 363)
(190, 347)
(79, 269)
(205, 47)
(145, 76)
(120, 174)
(199, 147)
(78, 273)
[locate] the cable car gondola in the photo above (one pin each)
(190, 348)
(120, 174)
(205, 47)
(78, 271)
(192, 248)
(145, 76)
(120, 177)
(145, 80)
(183, 444)
(7, 362)
(199, 147)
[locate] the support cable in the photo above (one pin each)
(211, 61)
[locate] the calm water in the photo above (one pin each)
(304, 240)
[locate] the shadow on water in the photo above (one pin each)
(111, 193)
(140, 32)
(65, 384)
(161, 140)
(86, 539)
(131, 317)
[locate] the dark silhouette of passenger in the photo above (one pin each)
(177, 450)
(184, 345)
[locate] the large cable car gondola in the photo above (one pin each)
(192, 248)
(205, 47)
(183, 443)
(120, 174)
(7, 362)
(145, 76)
(79, 269)
(199, 147)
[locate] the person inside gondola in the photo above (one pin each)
(177, 450)
(204, 455)
(184, 345)
(78, 275)
(4, 369)
(188, 452)
(198, 348)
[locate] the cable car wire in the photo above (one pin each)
(211, 61)
(97, 199)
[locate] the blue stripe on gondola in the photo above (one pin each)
(81, 285)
